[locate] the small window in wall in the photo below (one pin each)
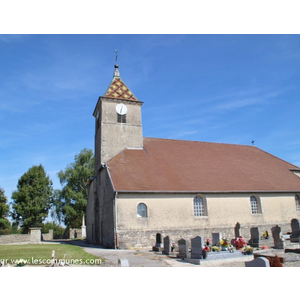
(121, 118)
(142, 210)
(98, 119)
(297, 198)
(255, 205)
(200, 206)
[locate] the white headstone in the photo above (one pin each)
(123, 262)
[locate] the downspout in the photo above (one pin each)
(116, 222)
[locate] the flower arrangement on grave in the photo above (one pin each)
(20, 262)
(239, 243)
(265, 235)
(248, 250)
(275, 262)
(207, 242)
(230, 248)
(265, 247)
(224, 243)
(173, 246)
(206, 249)
(215, 249)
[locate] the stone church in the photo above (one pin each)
(144, 186)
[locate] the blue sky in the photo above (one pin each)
(214, 88)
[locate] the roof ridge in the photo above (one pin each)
(204, 142)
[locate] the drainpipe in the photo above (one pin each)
(116, 222)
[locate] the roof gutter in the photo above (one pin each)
(204, 192)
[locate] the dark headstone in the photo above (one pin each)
(197, 244)
(254, 241)
(216, 237)
(158, 244)
(277, 237)
(237, 230)
(167, 245)
(295, 231)
(183, 248)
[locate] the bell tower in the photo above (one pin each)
(118, 121)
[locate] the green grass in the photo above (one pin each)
(40, 254)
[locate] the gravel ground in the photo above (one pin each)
(148, 258)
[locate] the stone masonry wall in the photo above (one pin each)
(75, 233)
(48, 236)
(146, 239)
(33, 237)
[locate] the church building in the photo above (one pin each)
(144, 186)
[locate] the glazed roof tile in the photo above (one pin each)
(118, 89)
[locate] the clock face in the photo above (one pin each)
(121, 109)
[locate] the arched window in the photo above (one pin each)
(255, 205)
(200, 206)
(142, 210)
(297, 198)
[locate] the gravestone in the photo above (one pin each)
(122, 262)
(183, 248)
(277, 237)
(254, 241)
(237, 230)
(258, 262)
(167, 245)
(197, 247)
(158, 244)
(295, 231)
(216, 237)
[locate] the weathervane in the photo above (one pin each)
(116, 55)
(252, 142)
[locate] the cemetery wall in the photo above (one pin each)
(33, 237)
(48, 236)
(75, 233)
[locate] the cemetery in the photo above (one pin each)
(261, 250)
(270, 248)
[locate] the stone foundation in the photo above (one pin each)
(128, 239)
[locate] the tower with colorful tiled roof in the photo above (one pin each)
(118, 122)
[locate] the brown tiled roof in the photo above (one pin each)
(187, 166)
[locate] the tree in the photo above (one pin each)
(33, 198)
(58, 231)
(4, 211)
(70, 202)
